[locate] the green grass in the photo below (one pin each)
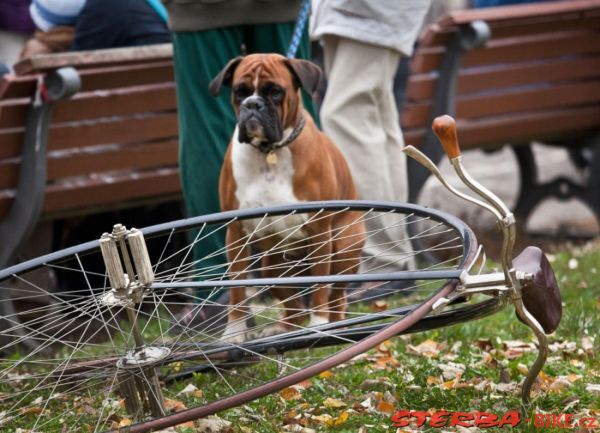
(362, 395)
(410, 381)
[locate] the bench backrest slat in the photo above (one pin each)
(542, 59)
(422, 86)
(515, 50)
(118, 135)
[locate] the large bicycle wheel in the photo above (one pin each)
(91, 359)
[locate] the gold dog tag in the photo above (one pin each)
(271, 158)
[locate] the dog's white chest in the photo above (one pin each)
(260, 184)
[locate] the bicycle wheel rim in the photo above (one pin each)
(467, 242)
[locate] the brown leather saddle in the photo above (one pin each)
(541, 296)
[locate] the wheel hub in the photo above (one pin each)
(144, 357)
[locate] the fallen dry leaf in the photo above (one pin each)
(485, 344)
(385, 362)
(507, 388)
(385, 347)
(379, 306)
(367, 404)
(290, 393)
(333, 402)
(31, 410)
(451, 369)
(577, 363)
(305, 384)
(594, 388)
(190, 389)
(433, 380)
(427, 348)
(174, 405)
(323, 419)
(369, 384)
(339, 420)
(213, 424)
(587, 344)
(384, 406)
(565, 347)
(295, 428)
(125, 422)
(523, 369)
(559, 384)
(326, 374)
(515, 349)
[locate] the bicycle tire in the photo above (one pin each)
(371, 335)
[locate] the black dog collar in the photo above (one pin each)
(269, 148)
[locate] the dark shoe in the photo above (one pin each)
(209, 317)
(373, 290)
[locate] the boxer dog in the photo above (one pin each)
(277, 155)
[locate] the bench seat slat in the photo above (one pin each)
(519, 128)
(124, 102)
(107, 158)
(511, 101)
(10, 143)
(153, 126)
(95, 58)
(118, 130)
(105, 193)
(17, 87)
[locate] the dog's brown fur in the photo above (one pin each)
(320, 172)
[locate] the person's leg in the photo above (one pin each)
(356, 114)
(205, 127)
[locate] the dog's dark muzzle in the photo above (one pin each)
(258, 119)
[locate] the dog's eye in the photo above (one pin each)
(274, 92)
(242, 92)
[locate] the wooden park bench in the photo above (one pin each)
(90, 131)
(512, 75)
(83, 132)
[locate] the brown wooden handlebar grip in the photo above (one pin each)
(444, 127)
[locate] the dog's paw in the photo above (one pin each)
(272, 330)
(235, 332)
(317, 319)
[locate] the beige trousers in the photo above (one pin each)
(359, 114)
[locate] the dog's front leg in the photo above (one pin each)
(237, 255)
(320, 255)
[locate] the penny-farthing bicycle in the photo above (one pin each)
(95, 332)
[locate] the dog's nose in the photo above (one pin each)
(253, 103)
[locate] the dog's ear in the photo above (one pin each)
(307, 74)
(225, 77)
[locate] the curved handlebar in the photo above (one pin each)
(444, 127)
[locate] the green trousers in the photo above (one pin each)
(206, 123)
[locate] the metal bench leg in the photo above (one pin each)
(24, 213)
(593, 189)
(529, 194)
(532, 192)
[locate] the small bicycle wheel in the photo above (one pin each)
(92, 360)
